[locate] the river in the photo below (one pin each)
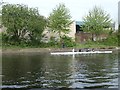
(42, 70)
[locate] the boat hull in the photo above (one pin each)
(72, 53)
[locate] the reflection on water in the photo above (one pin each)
(41, 70)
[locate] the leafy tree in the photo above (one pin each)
(21, 21)
(59, 20)
(119, 35)
(96, 21)
(0, 21)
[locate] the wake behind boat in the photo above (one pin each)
(83, 52)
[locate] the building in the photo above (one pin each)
(75, 27)
(48, 33)
(82, 36)
(79, 25)
(119, 13)
(76, 33)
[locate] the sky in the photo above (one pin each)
(78, 8)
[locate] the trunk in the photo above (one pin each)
(119, 28)
(59, 36)
(60, 41)
(16, 33)
(16, 36)
(92, 37)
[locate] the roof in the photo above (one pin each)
(79, 23)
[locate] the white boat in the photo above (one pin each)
(72, 53)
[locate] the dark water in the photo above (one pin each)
(42, 70)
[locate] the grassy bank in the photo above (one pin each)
(109, 43)
(96, 45)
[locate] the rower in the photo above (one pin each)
(80, 50)
(93, 49)
(73, 50)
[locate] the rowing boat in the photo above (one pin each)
(72, 53)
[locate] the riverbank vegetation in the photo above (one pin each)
(24, 28)
(96, 22)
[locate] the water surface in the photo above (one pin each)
(42, 70)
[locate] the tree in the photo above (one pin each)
(59, 20)
(21, 20)
(0, 21)
(96, 21)
(119, 35)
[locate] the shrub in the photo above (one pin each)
(68, 42)
(111, 40)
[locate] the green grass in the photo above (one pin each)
(13, 47)
(89, 44)
(94, 45)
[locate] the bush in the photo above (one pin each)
(4, 38)
(68, 42)
(111, 40)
